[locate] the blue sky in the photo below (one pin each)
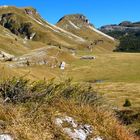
(99, 12)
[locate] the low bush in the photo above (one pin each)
(21, 90)
(14, 89)
(127, 103)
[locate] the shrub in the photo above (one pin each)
(13, 89)
(137, 132)
(81, 93)
(21, 90)
(127, 103)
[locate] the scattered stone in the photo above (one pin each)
(25, 40)
(6, 137)
(99, 81)
(62, 65)
(6, 100)
(88, 57)
(75, 131)
(5, 56)
(73, 52)
(32, 36)
(2, 124)
(98, 138)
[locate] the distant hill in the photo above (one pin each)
(79, 25)
(127, 32)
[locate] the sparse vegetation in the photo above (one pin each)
(53, 98)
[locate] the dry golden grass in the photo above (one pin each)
(104, 122)
(25, 124)
(116, 93)
(34, 119)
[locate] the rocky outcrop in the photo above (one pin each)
(30, 11)
(6, 137)
(74, 21)
(126, 23)
(17, 27)
(6, 57)
(75, 130)
(36, 57)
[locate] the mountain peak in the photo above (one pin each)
(76, 17)
(74, 21)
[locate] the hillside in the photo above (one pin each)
(25, 31)
(78, 24)
(127, 32)
(28, 24)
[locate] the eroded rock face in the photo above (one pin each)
(17, 27)
(6, 137)
(30, 11)
(125, 26)
(74, 130)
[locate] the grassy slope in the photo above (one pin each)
(46, 32)
(9, 44)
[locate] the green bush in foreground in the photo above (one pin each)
(18, 90)
(127, 103)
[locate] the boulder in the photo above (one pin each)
(6, 137)
(76, 131)
(62, 65)
(88, 57)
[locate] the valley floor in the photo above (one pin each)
(117, 75)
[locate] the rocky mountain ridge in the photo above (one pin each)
(78, 24)
(125, 26)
